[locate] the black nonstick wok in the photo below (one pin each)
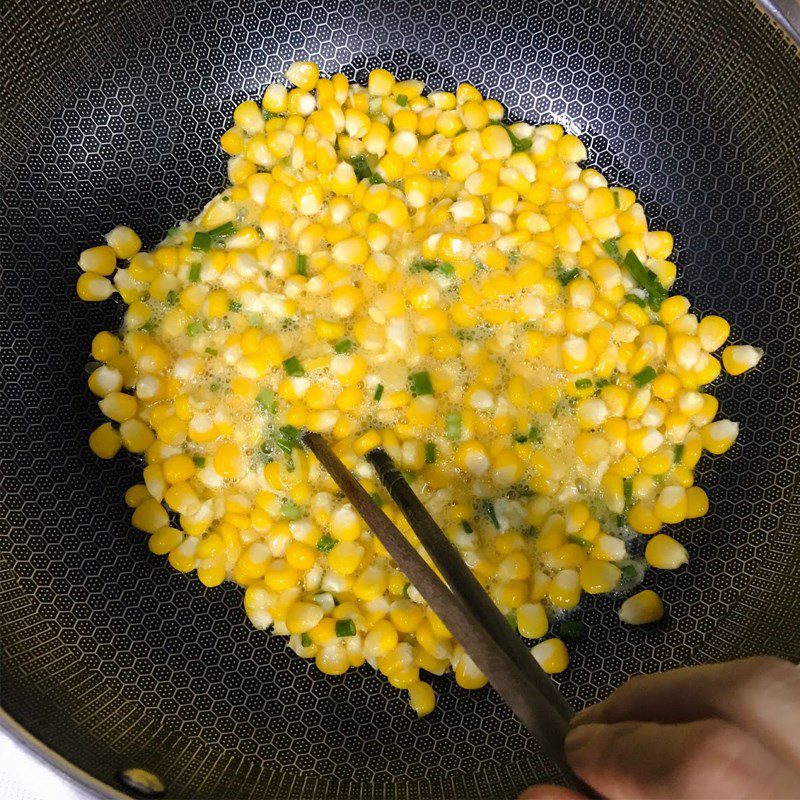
(110, 112)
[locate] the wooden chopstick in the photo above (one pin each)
(461, 580)
(465, 611)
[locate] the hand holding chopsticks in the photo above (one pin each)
(464, 607)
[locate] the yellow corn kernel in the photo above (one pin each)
(406, 616)
(303, 74)
(663, 552)
(101, 260)
(551, 655)
(565, 590)
(532, 620)
(719, 436)
(136, 436)
(641, 609)
(229, 461)
(345, 557)
(670, 505)
(302, 617)
(150, 516)
(164, 541)
(381, 640)
(105, 441)
(739, 358)
(643, 519)
(467, 675)
(598, 577)
(136, 494)
(118, 406)
(421, 698)
(93, 288)
(380, 82)
(673, 308)
(696, 502)
(123, 241)
(472, 457)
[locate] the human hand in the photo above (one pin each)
(727, 731)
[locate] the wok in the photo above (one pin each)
(111, 111)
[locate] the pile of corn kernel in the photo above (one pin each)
(398, 269)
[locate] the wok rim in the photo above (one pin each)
(785, 14)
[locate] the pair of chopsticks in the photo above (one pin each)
(464, 607)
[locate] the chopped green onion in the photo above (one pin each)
(293, 367)
(616, 199)
(345, 346)
(211, 351)
(402, 100)
(91, 367)
(193, 328)
(521, 439)
(583, 383)
(378, 500)
(288, 438)
(375, 179)
(172, 297)
(534, 435)
(678, 453)
(172, 231)
(574, 539)
(420, 383)
(627, 489)
(646, 278)
(406, 587)
(611, 246)
(326, 543)
(601, 382)
(466, 526)
(291, 510)
(266, 399)
(511, 619)
(452, 426)
(201, 242)
(194, 273)
(215, 386)
(492, 514)
(268, 115)
(378, 392)
(222, 231)
(305, 640)
(431, 265)
(372, 218)
(199, 461)
(634, 298)
(629, 572)
(571, 629)
(234, 305)
(302, 264)
(430, 453)
(644, 376)
(566, 276)
(345, 627)
(360, 167)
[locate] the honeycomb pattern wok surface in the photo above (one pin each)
(111, 112)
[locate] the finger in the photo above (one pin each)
(702, 760)
(550, 792)
(761, 695)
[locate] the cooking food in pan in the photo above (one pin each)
(407, 269)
